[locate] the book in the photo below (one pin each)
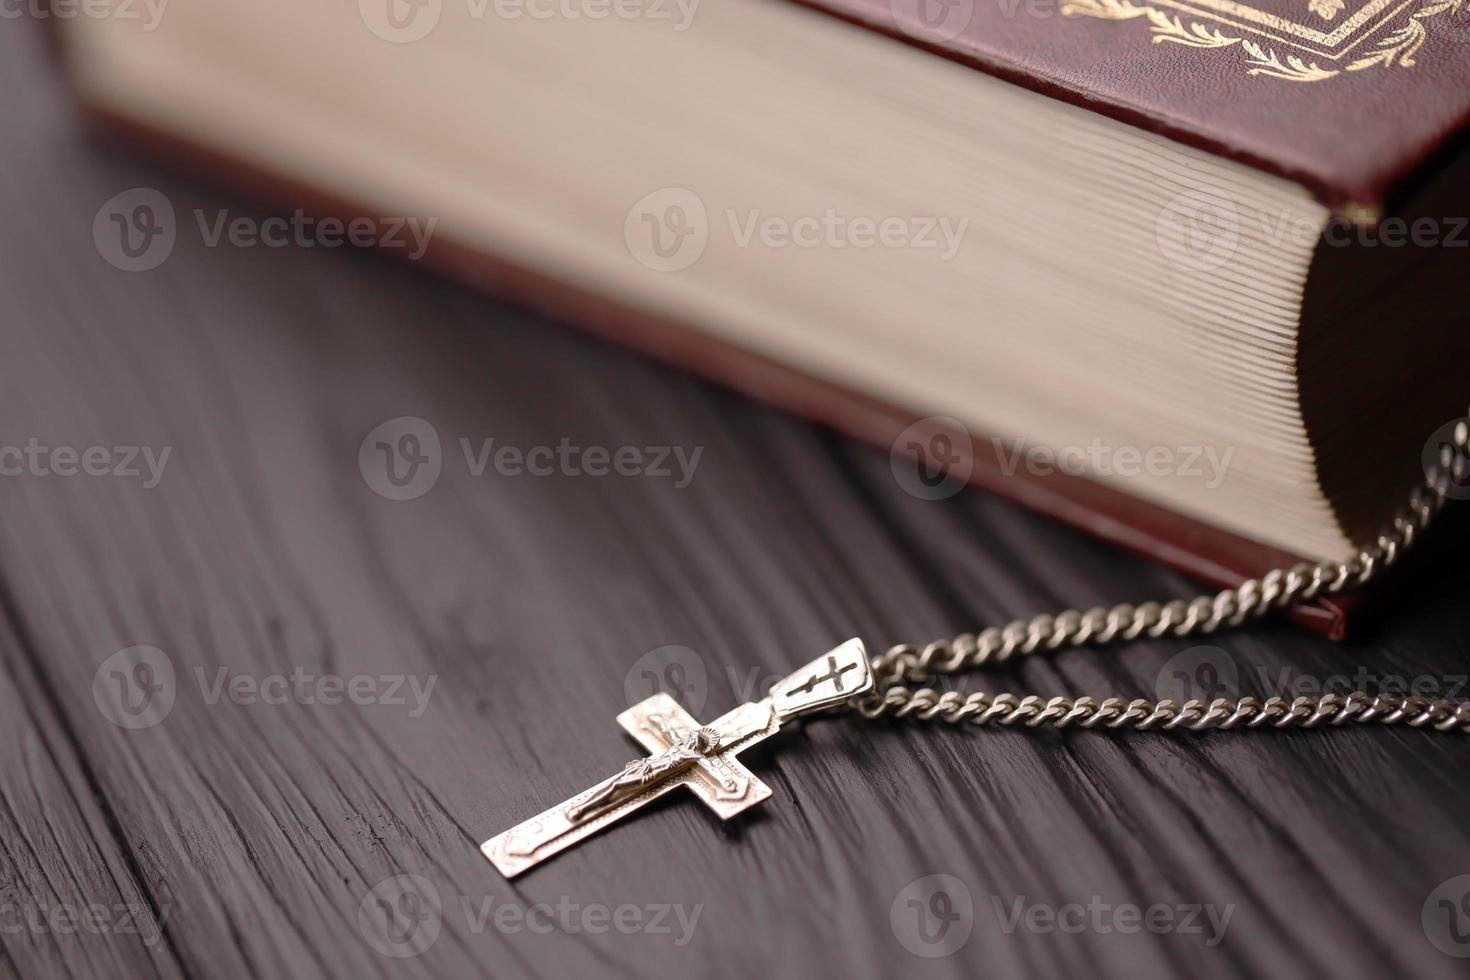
(1179, 273)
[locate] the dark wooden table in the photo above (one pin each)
(241, 837)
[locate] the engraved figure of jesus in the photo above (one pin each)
(642, 773)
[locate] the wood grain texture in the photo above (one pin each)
(257, 833)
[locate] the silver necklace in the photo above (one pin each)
(704, 758)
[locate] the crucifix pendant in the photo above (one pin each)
(683, 753)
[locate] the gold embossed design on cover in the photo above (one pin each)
(1319, 44)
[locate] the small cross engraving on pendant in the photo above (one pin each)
(834, 674)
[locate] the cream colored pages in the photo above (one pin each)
(1037, 279)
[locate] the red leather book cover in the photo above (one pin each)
(1353, 99)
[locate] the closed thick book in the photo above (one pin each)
(1182, 274)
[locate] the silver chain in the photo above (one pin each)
(1203, 615)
